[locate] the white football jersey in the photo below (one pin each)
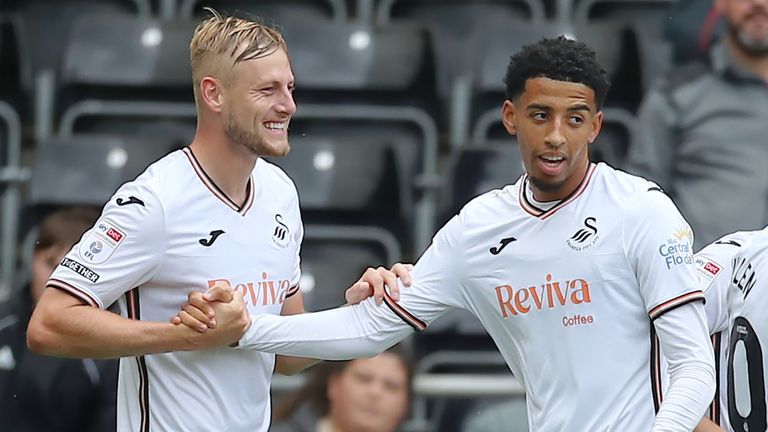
(569, 294)
(167, 233)
(714, 266)
(746, 360)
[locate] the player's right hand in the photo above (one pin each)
(232, 319)
(374, 282)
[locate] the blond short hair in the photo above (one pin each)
(220, 43)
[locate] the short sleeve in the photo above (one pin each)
(659, 246)
(714, 281)
(120, 252)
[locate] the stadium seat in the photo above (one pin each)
(124, 75)
(271, 11)
(457, 29)
(43, 27)
(322, 168)
(11, 65)
(447, 413)
(354, 181)
(87, 169)
(11, 177)
(646, 18)
(474, 170)
(355, 82)
(333, 257)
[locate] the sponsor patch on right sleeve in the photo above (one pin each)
(100, 243)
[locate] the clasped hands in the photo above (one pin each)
(221, 315)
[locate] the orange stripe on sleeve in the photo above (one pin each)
(675, 302)
(73, 290)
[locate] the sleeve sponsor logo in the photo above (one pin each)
(80, 269)
(100, 243)
(706, 269)
(677, 249)
(712, 268)
(684, 233)
(114, 235)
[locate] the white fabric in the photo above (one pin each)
(159, 246)
(714, 267)
(567, 294)
(690, 360)
(747, 358)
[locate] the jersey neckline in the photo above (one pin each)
(215, 190)
(543, 214)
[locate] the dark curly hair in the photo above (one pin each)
(560, 59)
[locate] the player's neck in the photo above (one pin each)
(229, 168)
(564, 190)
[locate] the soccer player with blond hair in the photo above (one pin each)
(212, 215)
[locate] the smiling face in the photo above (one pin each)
(747, 24)
(259, 104)
(555, 121)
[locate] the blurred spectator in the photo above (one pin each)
(39, 393)
(705, 128)
(691, 26)
(363, 395)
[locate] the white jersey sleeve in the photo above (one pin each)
(367, 328)
(746, 370)
(120, 252)
(659, 246)
(714, 266)
(683, 338)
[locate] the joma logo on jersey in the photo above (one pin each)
(262, 293)
(547, 295)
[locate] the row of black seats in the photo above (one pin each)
(455, 44)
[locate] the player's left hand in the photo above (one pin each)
(198, 313)
(374, 282)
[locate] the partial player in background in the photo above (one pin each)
(724, 267)
(747, 360)
(734, 274)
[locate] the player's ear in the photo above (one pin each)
(597, 124)
(210, 90)
(508, 113)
